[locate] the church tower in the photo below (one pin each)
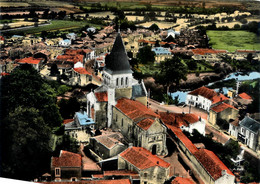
(117, 75)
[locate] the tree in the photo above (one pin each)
(154, 27)
(172, 71)
(145, 55)
(26, 139)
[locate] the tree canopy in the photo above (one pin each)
(29, 115)
(146, 55)
(172, 71)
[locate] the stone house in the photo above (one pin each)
(161, 54)
(67, 166)
(246, 131)
(204, 97)
(81, 77)
(210, 55)
(35, 62)
(151, 168)
(107, 145)
(139, 125)
(29, 41)
(187, 122)
(222, 111)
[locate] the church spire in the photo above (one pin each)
(117, 61)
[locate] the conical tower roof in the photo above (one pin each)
(117, 61)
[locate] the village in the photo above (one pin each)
(116, 124)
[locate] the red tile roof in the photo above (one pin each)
(145, 124)
(245, 96)
(121, 173)
(81, 70)
(235, 122)
(135, 110)
(183, 138)
(101, 96)
(221, 107)
(4, 74)
(115, 181)
(30, 60)
(209, 94)
(178, 119)
(66, 121)
(207, 51)
(67, 159)
(180, 180)
(142, 158)
(246, 51)
(71, 58)
(212, 163)
(2, 38)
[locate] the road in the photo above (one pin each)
(218, 135)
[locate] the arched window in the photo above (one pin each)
(122, 81)
(116, 81)
(126, 81)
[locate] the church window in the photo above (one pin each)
(122, 81)
(116, 117)
(122, 122)
(117, 81)
(126, 81)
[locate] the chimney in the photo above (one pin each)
(130, 145)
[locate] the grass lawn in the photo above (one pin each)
(149, 69)
(232, 40)
(54, 26)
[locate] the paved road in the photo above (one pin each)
(218, 136)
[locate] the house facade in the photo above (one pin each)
(151, 168)
(222, 111)
(161, 54)
(81, 77)
(67, 166)
(246, 131)
(204, 97)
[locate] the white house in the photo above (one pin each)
(71, 36)
(65, 43)
(204, 97)
(187, 122)
(162, 53)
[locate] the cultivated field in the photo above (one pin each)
(55, 25)
(232, 40)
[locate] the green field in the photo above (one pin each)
(232, 40)
(55, 25)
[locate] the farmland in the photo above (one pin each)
(232, 40)
(55, 25)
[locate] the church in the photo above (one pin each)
(120, 103)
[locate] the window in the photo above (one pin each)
(145, 175)
(122, 122)
(57, 172)
(252, 136)
(126, 81)
(122, 81)
(116, 117)
(117, 81)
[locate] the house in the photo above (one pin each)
(65, 43)
(246, 131)
(139, 125)
(71, 36)
(161, 54)
(222, 111)
(210, 55)
(35, 62)
(77, 127)
(67, 166)
(204, 97)
(107, 145)
(187, 122)
(81, 77)
(173, 33)
(150, 168)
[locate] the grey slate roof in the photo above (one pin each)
(250, 124)
(117, 61)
